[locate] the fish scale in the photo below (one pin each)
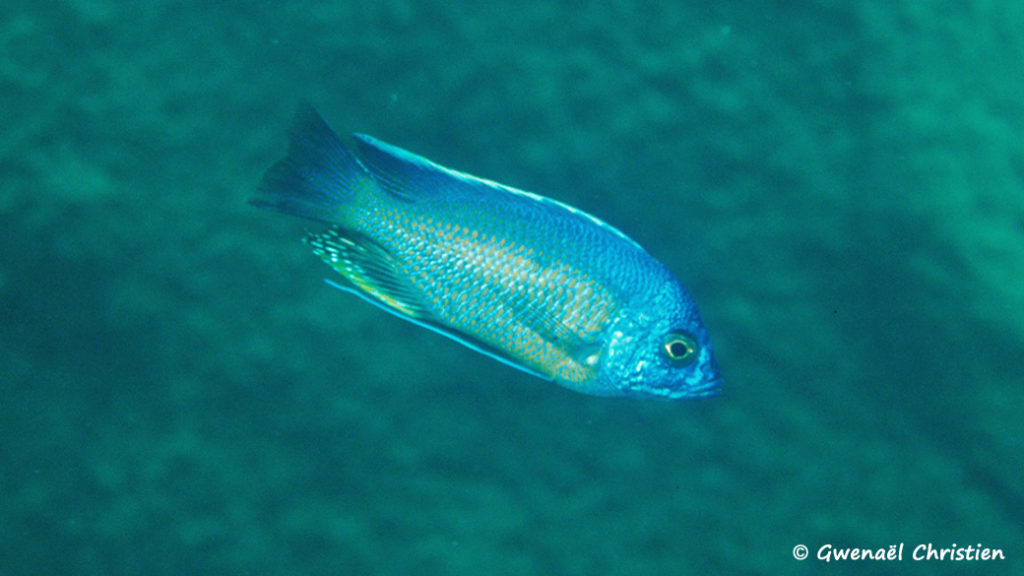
(530, 281)
(482, 284)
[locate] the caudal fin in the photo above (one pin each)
(317, 178)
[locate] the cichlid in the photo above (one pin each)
(527, 280)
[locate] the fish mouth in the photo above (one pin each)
(710, 383)
(702, 389)
(710, 387)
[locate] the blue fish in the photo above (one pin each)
(530, 281)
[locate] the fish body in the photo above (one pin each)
(528, 280)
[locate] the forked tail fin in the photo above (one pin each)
(319, 176)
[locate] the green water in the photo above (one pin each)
(841, 186)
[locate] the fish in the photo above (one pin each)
(528, 280)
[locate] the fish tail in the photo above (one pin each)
(320, 177)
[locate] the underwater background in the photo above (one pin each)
(841, 186)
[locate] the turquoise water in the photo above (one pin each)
(842, 188)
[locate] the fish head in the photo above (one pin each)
(658, 348)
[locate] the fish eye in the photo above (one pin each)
(679, 348)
